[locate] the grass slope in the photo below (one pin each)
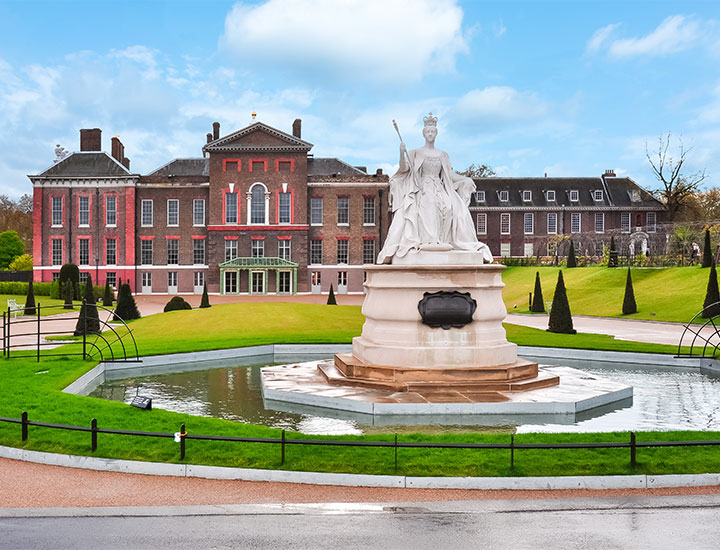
(671, 294)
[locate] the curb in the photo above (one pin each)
(361, 480)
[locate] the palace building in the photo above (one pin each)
(257, 214)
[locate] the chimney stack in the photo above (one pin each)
(209, 137)
(297, 128)
(216, 130)
(91, 139)
(610, 173)
(126, 163)
(117, 150)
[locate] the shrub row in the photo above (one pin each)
(43, 289)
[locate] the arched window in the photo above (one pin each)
(258, 198)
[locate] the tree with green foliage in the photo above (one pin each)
(22, 263)
(205, 300)
(613, 258)
(176, 303)
(88, 321)
(711, 306)
(68, 294)
(707, 251)
(560, 320)
(126, 308)
(30, 300)
(10, 248)
(571, 261)
(70, 272)
(538, 304)
(109, 295)
(629, 306)
(331, 297)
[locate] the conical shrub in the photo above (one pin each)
(68, 293)
(560, 320)
(538, 304)
(331, 297)
(571, 261)
(629, 306)
(711, 308)
(707, 250)
(126, 309)
(30, 300)
(109, 295)
(88, 322)
(204, 301)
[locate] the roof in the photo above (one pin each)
(258, 137)
(87, 164)
(184, 167)
(258, 262)
(616, 192)
(331, 167)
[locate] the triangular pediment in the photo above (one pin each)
(258, 137)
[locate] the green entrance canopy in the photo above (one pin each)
(263, 265)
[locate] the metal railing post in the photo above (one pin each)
(282, 448)
(84, 308)
(633, 462)
(4, 334)
(38, 331)
(93, 432)
(512, 452)
(182, 441)
(396, 452)
(24, 423)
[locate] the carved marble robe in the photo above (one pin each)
(430, 206)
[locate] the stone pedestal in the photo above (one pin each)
(394, 335)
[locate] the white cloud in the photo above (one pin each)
(600, 36)
(366, 40)
(498, 106)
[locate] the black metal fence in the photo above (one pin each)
(27, 335)
(182, 437)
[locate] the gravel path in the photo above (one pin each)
(30, 485)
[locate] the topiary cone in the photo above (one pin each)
(204, 301)
(331, 297)
(538, 304)
(629, 306)
(30, 300)
(88, 321)
(571, 261)
(711, 308)
(560, 320)
(707, 251)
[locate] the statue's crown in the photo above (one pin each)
(430, 120)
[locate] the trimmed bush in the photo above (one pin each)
(560, 317)
(613, 258)
(70, 272)
(707, 251)
(176, 303)
(11, 246)
(629, 306)
(204, 301)
(538, 304)
(108, 295)
(22, 263)
(571, 261)
(126, 308)
(710, 307)
(68, 293)
(88, 321)
(30, 300)
(331, 297)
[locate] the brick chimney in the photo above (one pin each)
(610, 173)
(209, 137)
(216, 130)
(297, 128)
(117, 150)
(91, 139)
(126, 163)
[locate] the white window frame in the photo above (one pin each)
(575, 216)
(197, 248)
(56, 251)
(369, 211)
(316, 210)
(552, 227)
(198, 212)
(265, 204)
(527, 196)
(229, 220)
(146, 248)
(175, 243)
(651, 222)
(108, 200)
(230, 282)
(505, 221)
(231, 249)
(504, 196)
(598, 195)
(528, 250)
(504, 250)
(56, 212)
(86, 241)
(550, 195)
(344, 210)
(111, 249)
(479, 196)
(625, 222)
(285, 249)
(369, 251)
(599, 222)
(257, 248)
(343, 251)
(481, 223)
(146, 213)
(176, 213)
(316, 249)
(574, 195)
(284, 211)
(528, 223)
(83, 211)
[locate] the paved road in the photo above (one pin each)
(676, 522)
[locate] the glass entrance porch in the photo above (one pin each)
(258, 276)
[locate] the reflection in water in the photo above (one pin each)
(664, 399)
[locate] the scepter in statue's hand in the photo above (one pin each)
(405, 163)
(403, 149)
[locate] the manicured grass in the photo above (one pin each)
(42, 300)
(662, 294)
(35, 388)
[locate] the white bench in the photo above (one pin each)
(14, 307)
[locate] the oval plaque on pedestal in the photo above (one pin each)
(447, 309)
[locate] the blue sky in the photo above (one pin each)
(563, 88)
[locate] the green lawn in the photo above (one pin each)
(42, 300)
(662, 294)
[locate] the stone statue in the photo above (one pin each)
(60, 153)
(430, 204)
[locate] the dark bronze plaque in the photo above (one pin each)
(447, 309)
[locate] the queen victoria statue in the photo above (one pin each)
(430, 204)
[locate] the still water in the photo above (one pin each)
(665, 398)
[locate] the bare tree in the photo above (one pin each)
(676, 188)
(481, 171)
